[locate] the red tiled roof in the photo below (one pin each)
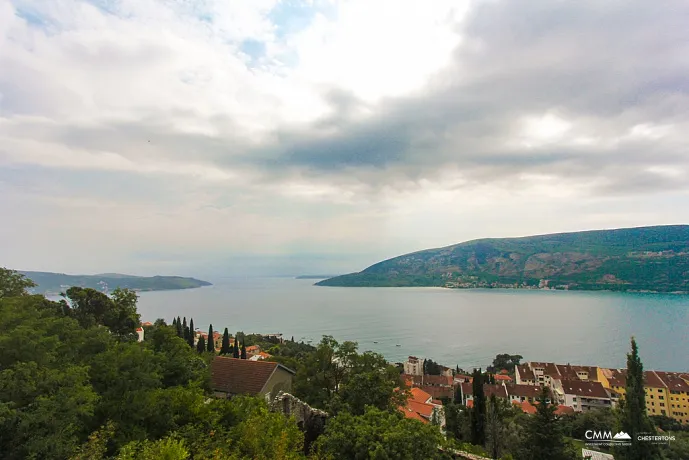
(147, 323)
(506, 378)
(525, 391)
(418, 394)
(583, 388)
(470, 403)
(436, 402)
(488, 390)
(652, 380)
(253, 349)
(409, 413)
(439, 392)
(139, 329)
(241, 376)
(528, 408)
(422, 409)
(526, 373)
(673, 380)
(564, 410)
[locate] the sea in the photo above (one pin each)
(451, 326)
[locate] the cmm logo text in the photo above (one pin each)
(606, 437)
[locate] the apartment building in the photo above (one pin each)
(413, 366)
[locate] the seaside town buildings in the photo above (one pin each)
(572, 387)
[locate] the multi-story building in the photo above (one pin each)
(524, 375)
(667, 393)
(582, 395)
(413, 366)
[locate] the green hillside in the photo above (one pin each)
(631, 259)
(56, 282)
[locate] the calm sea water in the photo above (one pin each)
(464, 327)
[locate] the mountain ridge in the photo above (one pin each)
(54, 283)
(653, 259)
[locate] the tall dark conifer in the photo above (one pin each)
(210, 344)
(185, 329)
(243, 349)
(180, 331)
(201, 345)
(634, 420)
(235, 349)
(478, 412)
(192, 332)
(225, 347)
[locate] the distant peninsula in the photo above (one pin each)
(314, 277)
(54, 283)
(642, 259)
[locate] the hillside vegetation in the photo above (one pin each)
(53, 283)
(633, 259)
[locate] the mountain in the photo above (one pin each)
(314, 277)
(54, 283)
(654, 259)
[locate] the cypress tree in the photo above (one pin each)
(225, 348)
(634, 420)
(174, 322)
(235, 352)
(292, 339)
(201, 345)
(180, 331)
(185, 329)
(210, 345)
(478, 413)
(192, 332)
(243, 349)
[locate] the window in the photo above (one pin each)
(651, 396)
(662, 404)
(661, 397)
(653, 404)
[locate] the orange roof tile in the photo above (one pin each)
(562, 410)
(503, 377)
(419, 395)
(528, 408)
(409, 413)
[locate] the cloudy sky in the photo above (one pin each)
(203, 137)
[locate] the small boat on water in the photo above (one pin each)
(398, 345)
(375, 342)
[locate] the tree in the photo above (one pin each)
(201, 345)
(210, 344)
(478, 412)
(180, 330)
(14, 284)
(544, 439)
(504, 361)
(243, 349)
(377, 435)
(185, 329)
(235, 351)
(93, 308)
(634, 420)
(192, 333)
(496, 430)
(225, 348)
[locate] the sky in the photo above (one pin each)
(214, 137)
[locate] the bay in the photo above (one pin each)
(451, 326)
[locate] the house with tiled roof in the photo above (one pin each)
(231, 376)
(502, 378)
(429, 380)
(253, 350)
(520, 393)
(582, 395)
(259, 355)
(524, 375)
(420, 406)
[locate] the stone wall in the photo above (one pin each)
(311, 421)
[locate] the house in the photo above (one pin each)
(140, 334)
(231, 376)
(582, 395)
(461, 378)
(502, 378)
(520, 393)
(147, 324)
(677, 390)
(253, 350)
(260, 355)
(467, 391)
(524, 375)
(413, 366)
(446, 371)
(421, 406)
